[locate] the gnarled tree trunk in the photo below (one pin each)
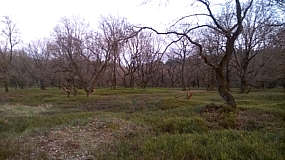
(223, 88)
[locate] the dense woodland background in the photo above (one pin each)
(118, 53)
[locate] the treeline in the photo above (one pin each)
(76, 56)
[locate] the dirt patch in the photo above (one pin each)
(80, 142)
(250, 120)
(219, 116)
(212, 112)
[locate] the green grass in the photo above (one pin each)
(19, 125)
(173, 127)
(215, 145)
(176, 125)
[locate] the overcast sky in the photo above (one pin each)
(37, 18)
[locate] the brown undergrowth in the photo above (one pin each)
(222, 116)
(77, 142)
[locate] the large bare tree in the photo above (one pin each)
(40, 70)
(149, 60)
(115, 31)
(82, 53)
(228, 24)
(10, 35)
(129, 59)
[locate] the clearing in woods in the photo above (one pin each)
(154, 123)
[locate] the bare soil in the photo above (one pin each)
(80, 142)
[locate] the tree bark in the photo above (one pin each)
(6, 86)
(228, 76)
(222, 88)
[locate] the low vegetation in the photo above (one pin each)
(141, 124)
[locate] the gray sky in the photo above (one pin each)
(37, 18)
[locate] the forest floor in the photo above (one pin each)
(153, 123)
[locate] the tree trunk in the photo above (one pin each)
(42, 85)
(172, 82)
(161, 79)
(283, 84)
(132, 82)
(211, 81)
(222, 88)
(74, 91)
(6, 86)
(198, 83)
(114, 81)
(21, 85)
(182, 76)
(124, 81)
(88, 91)
(144, 85)
(243, 85)
(243, 81)
(115, 58)
(228, 76)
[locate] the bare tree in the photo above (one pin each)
(129, 59)
(253, 40)
(150, 58)
(172, 65)
(230, 25)
(183, 51)
(11, 39)
(19, 73)
(82, 54)
(278, 43)
(41, 56)
(116, 31)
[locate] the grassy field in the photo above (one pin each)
(151, 124)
